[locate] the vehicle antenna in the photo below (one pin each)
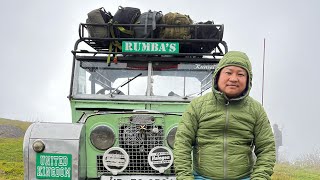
(264, 55)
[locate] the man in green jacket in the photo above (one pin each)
(223, 128)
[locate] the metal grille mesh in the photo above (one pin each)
(100, 168)
(137, 140)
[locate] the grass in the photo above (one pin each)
(11, 160)
(285, 171)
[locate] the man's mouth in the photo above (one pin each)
(232, 85)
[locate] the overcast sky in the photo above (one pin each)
(38, 36)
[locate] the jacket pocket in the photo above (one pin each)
(207, 160)
(240, 158)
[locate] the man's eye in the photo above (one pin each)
(242, 74)
(229, 73)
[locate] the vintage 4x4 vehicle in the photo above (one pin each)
(126, 106)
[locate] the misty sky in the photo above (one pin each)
(38, 36)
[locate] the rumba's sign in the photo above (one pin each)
(150, 47)
(53, 166)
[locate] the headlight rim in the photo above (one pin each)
(94, 144)
(171, 144)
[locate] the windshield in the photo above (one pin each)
(169, 79)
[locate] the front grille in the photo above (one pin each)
(137, 140)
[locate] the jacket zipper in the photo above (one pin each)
(199, 156)
(225, 166)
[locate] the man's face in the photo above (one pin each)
(232, 81)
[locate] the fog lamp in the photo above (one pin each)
(171, 137)
(102, 137)
(38, 146)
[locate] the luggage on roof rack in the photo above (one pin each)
(198, 38)
(125, 15)
(149, 20)
(99, 17)
(151, 34)
(206, 39)
(178, 31)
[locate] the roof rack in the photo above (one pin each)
(190, 48)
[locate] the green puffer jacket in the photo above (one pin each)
(222, 133)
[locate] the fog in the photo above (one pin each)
(38, 36)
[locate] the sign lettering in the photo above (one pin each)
(150, 47)
(53, 166)
(160, 158)
(202, 66)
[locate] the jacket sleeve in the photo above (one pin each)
(264, 147)
(184, 140)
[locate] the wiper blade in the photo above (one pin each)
(197, 93)
(123, 84)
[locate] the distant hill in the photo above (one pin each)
(13, 128)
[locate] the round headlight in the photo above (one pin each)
(38, 146)
(102, 137)
(171, 137)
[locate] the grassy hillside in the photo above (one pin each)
(11, 160)
(21, 124)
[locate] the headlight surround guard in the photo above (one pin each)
(171, 136)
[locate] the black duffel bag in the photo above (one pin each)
(207, 32)
(125, 15)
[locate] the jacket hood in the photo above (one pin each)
(233, 58)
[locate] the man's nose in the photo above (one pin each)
(233, 77)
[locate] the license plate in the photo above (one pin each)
(53, 166)
(138, 178)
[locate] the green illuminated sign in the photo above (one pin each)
(53, 166)
(150, 47)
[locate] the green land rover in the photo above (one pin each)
(126, 104)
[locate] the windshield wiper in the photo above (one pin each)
(187, 96)
(123, 84)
